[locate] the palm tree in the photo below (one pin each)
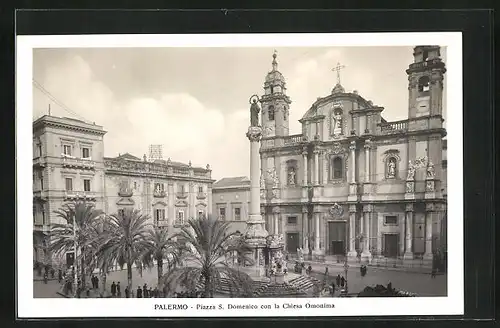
(161, 247)
(208, 242)
(76, 230)
(126, 241)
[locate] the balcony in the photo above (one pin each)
(182, 194)
(39, 162)
(201, 195)
(77, 163)
(161, 223)
(292, 140)
(160, 194)
(125, 192)
(180, 171)
(433, 63)
(42, 227)
(80, 195)
(40, 194)
(394, 127)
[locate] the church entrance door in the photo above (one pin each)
(337, 238)
(292, 242)
(391, 245)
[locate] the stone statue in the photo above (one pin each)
(144, 157)
(254, 113)
(391, 168)
(430, 170)
(337, 123)
(291, 176)
(274, 177)
(411, 171)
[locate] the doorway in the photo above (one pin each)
(337, 247)
(292, 242)
(337, 238)
(391, 242)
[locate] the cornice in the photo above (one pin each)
(70, 127)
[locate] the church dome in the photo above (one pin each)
(338, 89)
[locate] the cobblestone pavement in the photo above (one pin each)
(421, 284)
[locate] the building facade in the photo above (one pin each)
(352, 182)
(69, 165)
(231, 201)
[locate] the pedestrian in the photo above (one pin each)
(139, 292)
(113, 289)
(342, 281)
(150, 292)
(156, 292)
(309, 269)
(326, 271)
(433, 273)
(118, 290)
(332, 291)
(92, 281)
(59, 275)
(145, 290)
(389, 286)
(45, 277)
(52, 273)
(127, 292)
(337, 280)
(96, 282)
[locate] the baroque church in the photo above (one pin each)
(353, 183)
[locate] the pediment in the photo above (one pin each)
(125, 201)
(160, 203)
(201, 204)
(181, 203)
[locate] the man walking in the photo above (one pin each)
(127, 292)
(113, 289)
(139, 292)
(118, 290)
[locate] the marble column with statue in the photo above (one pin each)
(255, 234)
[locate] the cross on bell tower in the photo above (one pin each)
(337, 69)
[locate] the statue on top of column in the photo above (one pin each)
(411, 171)
(430, 170)
(254, 112)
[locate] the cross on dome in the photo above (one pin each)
(337, 69)
(275, 63)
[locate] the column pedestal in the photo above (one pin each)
(366, 255)
(410, 190)
(352, 253)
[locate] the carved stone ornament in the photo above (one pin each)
(352, 208)
(410, 187)
(430, 171)
(273, 175)
(411, 172)
(430, 207)
(429, 186)
(367, 208)
(336, 210)
(336, 149)
(254, 133)
(409, 208)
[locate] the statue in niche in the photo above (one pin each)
(158, 190)
(291, 176)
(391, 168)
(430, 170)
(254, 113)
(274, 177)
(411, 171)
(337, 122)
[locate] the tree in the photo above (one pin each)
(207, 244)
(160, 247)
(126, 240)
(77, 228)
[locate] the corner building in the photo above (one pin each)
(352, 182)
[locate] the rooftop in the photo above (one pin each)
(232, 182)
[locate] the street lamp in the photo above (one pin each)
(346, 269)
(75, 262)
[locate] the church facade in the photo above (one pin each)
(352, 182)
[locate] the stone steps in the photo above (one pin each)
(304, 282)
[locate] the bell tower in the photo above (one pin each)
(425, 87)
(275, 103)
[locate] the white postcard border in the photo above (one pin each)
(29, 307)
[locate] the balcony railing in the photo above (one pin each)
(125, 192)
(182, 194)
(180, 171)
(394, 127)
(201, 195)
(293, 139)
(161, 223)
(159, 193)
(79, 195)
(84, 163)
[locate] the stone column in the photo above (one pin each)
(409, 232)
(305, 228)
(276, 216)
(402, 241)
(316, 232)
(367, 161)
(429, 211)
(304, 160)
(316, 167)
(366, 254)
(352, 148)
(380, 222)
(352, 232)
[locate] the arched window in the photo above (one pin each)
(337, 170)
(285, 113)
(423, 84)
(270, 113)
(425, 55)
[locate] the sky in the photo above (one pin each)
(194, 101)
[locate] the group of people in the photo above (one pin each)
(143, 292)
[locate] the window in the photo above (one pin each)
(159, 187)
(69, 184)
(159, 215)
(337, 169)
(272, 89)
(85, 152)
(40, 150)
(43, 217)
(86, 185)
(41, 183)
(180, 217)
(391, 219)
(292, 220)
(135, 185)
(222, 213)
(237, 214)
(200, 214)
(181, 189)
(34, 214)
(200, 189)
(270, 113)
(121, 212)
(284, 113)
(423, 84)
(425, 55)
(67, 150)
